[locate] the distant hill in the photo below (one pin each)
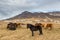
(26, 14)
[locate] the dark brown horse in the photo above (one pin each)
(35, 27)
(12, 26)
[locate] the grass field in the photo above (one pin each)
(25, 34)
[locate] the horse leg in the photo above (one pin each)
(7, 27)
(40, 30)
(32, 33)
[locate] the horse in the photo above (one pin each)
(49, 26)
(35, 28)
(12, 26)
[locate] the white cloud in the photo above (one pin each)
(13, 7)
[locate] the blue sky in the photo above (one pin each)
(10, 8)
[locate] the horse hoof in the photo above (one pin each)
(40, 34)
(32, 35)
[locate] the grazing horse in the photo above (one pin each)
(12, 26)
(35, 28)
(49, 26)
(46, 26)
(17, 24)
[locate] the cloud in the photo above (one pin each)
(10, 8)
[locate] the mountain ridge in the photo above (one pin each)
(43, 15)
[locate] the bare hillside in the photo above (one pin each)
(26, 14)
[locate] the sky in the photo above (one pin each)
(10, 8)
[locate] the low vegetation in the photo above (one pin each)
(23, 33)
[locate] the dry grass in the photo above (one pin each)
(25, 34)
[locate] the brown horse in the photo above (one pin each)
(49, 26)
(46, 25)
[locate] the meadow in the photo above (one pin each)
(22, 33)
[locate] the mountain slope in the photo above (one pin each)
(27, 14)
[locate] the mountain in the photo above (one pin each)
(26, 14)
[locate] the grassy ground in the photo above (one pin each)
(25, 34)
